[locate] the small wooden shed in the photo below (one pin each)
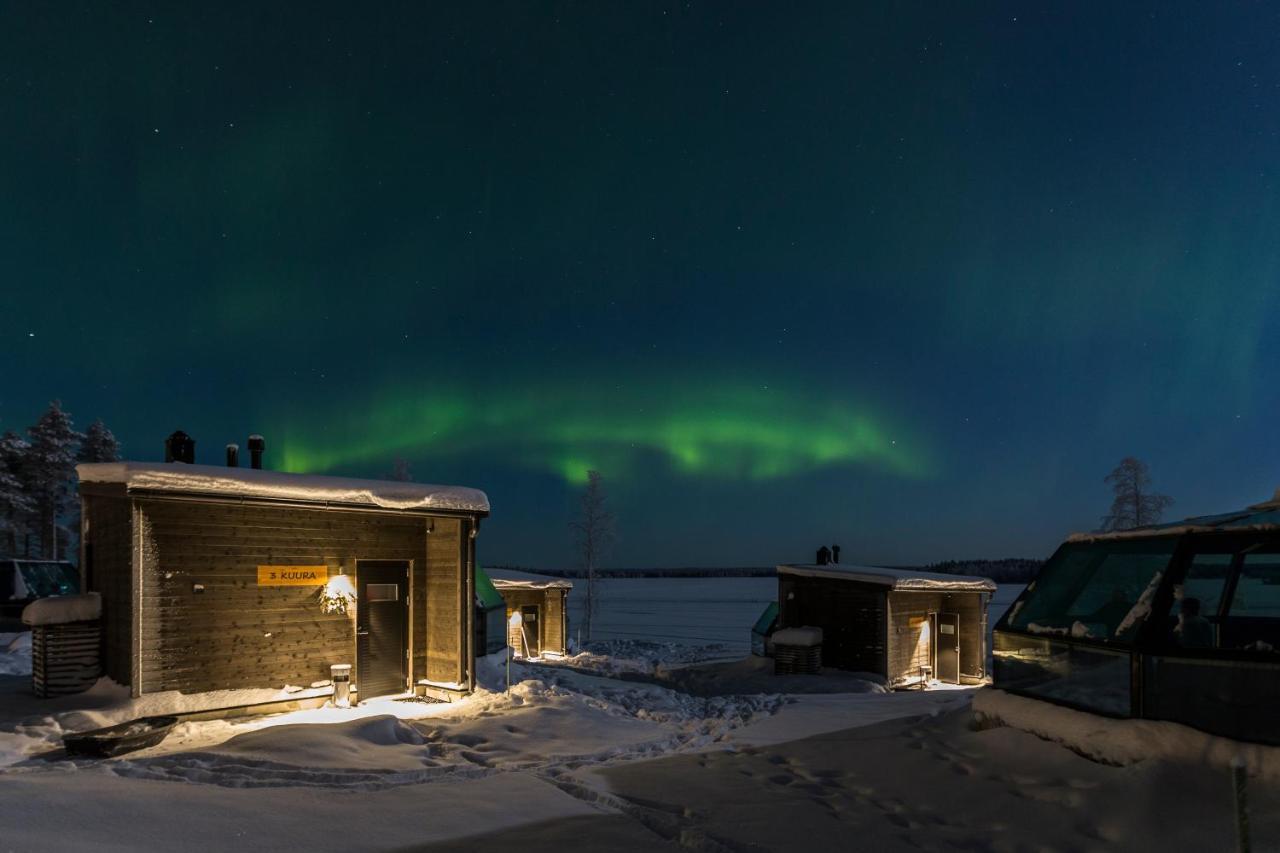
(543, 604)
(910, 627)
(233, 578)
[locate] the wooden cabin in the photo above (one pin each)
(909, 627)
(543, 604)
(219, 578)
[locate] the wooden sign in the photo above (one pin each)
(293, 575)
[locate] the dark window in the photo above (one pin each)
(382, 592)
(1252, 622)
(1192, 621)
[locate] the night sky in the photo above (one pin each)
(909, 278)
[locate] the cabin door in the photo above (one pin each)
(948, 668)
(382, 627)
(532, 630)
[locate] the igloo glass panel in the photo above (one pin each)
(1100, 591)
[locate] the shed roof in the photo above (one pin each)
(897, 579)
(509, 579)
(216, 481)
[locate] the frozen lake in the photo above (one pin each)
(695, 611)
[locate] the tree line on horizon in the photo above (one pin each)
(39, 514)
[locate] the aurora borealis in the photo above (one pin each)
(908, 278)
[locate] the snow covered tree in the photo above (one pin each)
(1134, 504)
(594, 530)
(47, 474)
(15, 505)
(400, 470)
(99, 444)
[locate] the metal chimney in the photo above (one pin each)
(257, 444)
(233, 456)
(180, 447)
(835, 553)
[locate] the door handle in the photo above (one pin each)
(362, 632)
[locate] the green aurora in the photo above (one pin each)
(756, 434)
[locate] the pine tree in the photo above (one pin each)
(15, 505)
(48, 472)
(99, 444)
(595, 533)
(1134, 504)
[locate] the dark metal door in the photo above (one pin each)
(382, 635)
(532, 630)
(949, 647)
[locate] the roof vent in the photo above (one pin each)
(233, 456)
(257, 444)
(824, 556)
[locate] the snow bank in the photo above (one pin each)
(798, 637)
(15, 658)
(173, 702)
(248, 482)
(60, 609)
(1121, 742)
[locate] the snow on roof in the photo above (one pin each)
(898, 579)
(509, 579)
(253, 483)
(1263, 516)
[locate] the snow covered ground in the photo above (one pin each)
(633, 745)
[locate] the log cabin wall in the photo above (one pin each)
(236, 634)
(553, 620)
(517, 598)
(906, 606)
(108, 571)
(852, 617)
(446, 602)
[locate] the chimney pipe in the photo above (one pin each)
(233, 456)
(180, 447)
(257, 444)
(835, 553)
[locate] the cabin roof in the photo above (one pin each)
(897, 579)
(509, 579)
(216, 481)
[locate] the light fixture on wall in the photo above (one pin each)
(338, 593)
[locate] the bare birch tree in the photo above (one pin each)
(594, 532)
(1134, 504)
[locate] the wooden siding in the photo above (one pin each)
(237, 634)
(551, 630)
(445, 604)
(108, 571)
(852, 617)
(905, 606)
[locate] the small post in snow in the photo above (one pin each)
(1239, 783)
(516, 621)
